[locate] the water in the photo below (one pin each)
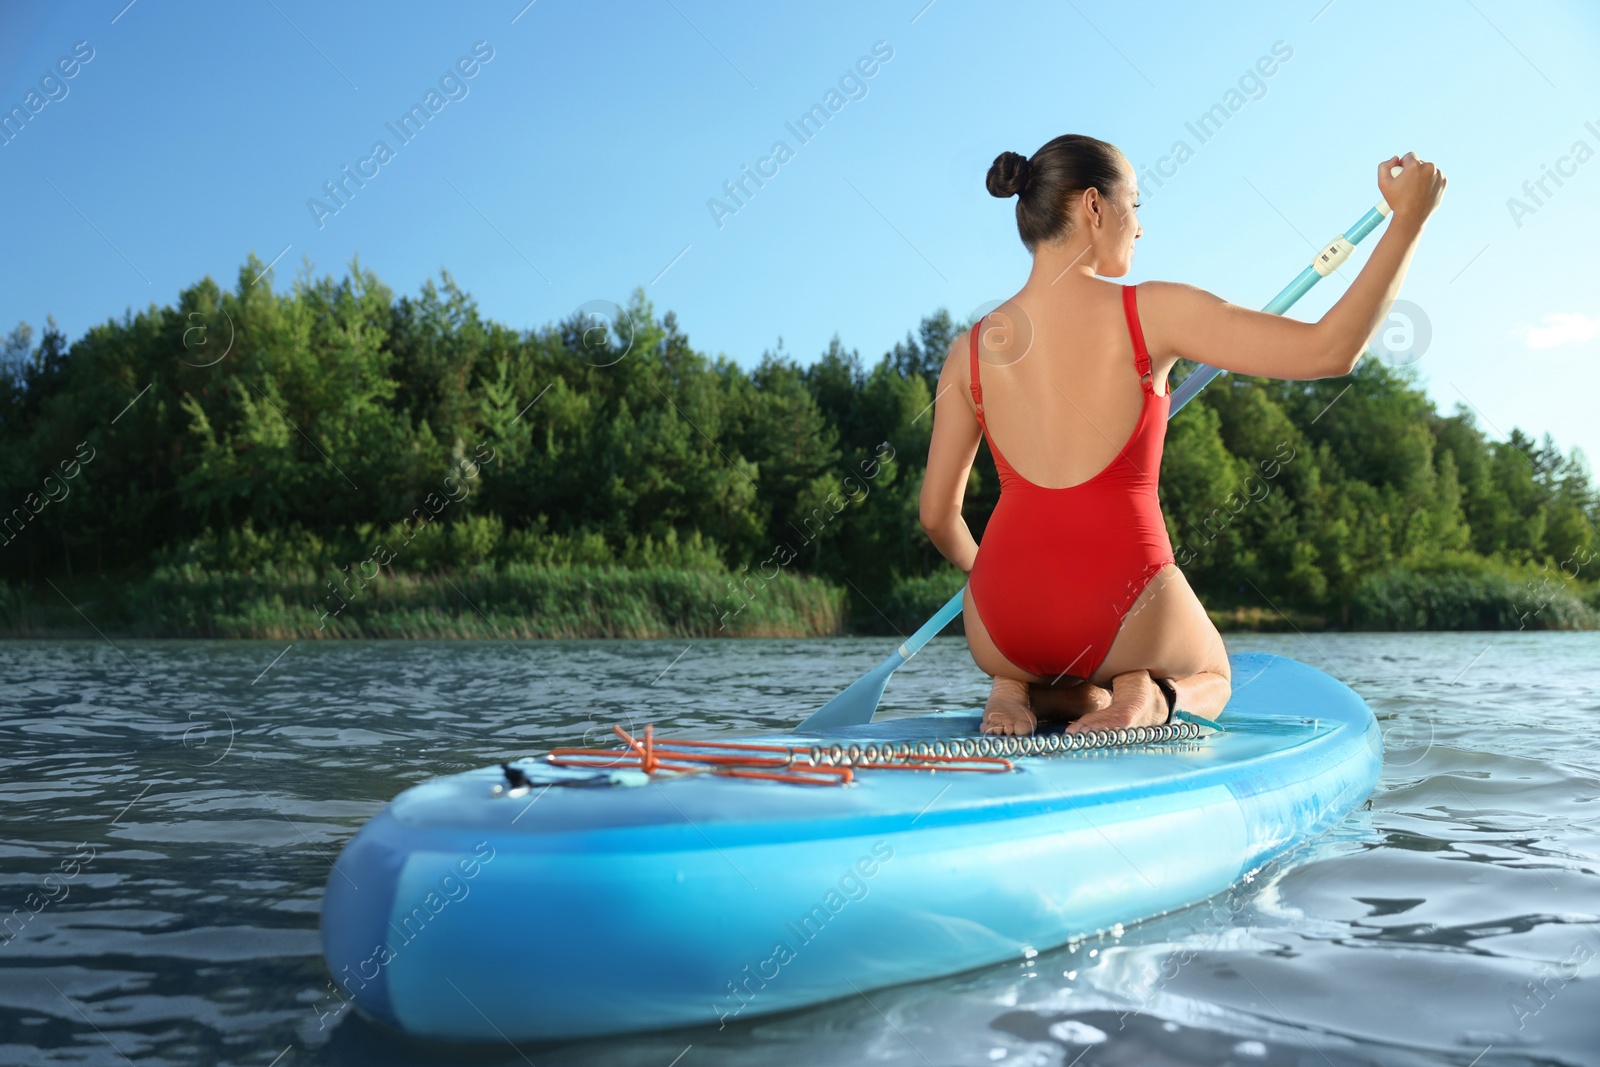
(180, 804)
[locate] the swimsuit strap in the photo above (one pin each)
(1141, 355)
(977, 389)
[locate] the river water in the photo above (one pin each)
(176, 806)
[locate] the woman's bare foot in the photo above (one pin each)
(1069, 701)
(1136, 700)
(1007, 710)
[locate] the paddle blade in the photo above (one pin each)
(857, 704)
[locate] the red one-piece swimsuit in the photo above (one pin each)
(1058, 569)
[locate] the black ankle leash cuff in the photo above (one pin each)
(1169, 691)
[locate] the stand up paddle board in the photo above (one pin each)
(543, 901)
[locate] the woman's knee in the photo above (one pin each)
(1219, 657)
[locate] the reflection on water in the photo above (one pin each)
(171, 810)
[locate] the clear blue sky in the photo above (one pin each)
(580, 161)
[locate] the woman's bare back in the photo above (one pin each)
(1060, 391)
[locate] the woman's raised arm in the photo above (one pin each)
(1184, 321)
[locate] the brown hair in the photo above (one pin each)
(1054, 177)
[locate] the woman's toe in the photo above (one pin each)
(1006, 721)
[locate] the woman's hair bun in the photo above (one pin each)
(1008, 175)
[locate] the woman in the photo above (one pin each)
(1074, 605)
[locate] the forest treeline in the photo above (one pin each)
(296, 461)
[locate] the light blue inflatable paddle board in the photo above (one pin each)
(472, 909)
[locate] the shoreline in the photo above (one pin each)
(530, 602)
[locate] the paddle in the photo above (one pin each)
(859, 702)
